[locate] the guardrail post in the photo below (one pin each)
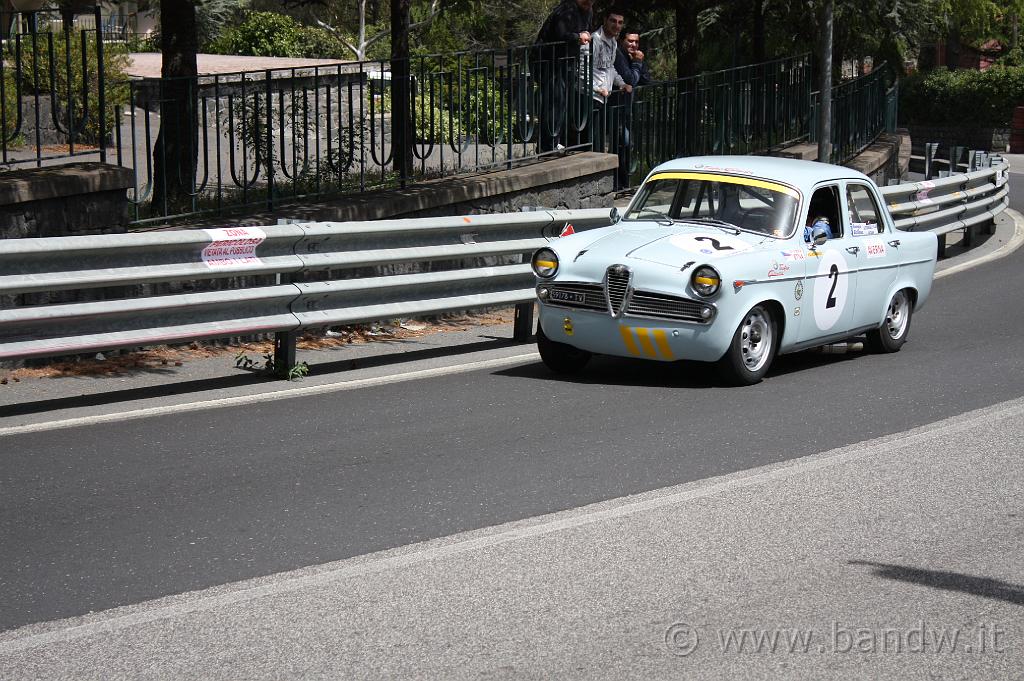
(284, 352)
(522, 328)
(942, 246)
(284, 341)
(955, 152)
(929, 159)
(968, 236)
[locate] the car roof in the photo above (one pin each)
(800, 174)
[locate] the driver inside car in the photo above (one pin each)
(814, 224)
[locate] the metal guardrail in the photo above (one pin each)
(954, 202)
(479, 263)
(388, 269)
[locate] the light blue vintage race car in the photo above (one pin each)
(734, 259)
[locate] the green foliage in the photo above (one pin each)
(266, 34)
(243, 361)
(9, 104)
(445, 110)
(952, 98)
(300, 370)
(52, 76)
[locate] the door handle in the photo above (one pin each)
(894, 243)
(853, 249)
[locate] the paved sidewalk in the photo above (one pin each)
(147, 64)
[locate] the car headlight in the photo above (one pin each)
(545, 263)
(706, 281)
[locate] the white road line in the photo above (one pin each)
(118, 619)
(271, 396)
(1006, 249)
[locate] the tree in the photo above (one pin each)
(174, 154)
(364, 35)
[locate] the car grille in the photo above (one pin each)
(592, 294)
(617, 278)
(581, 295)
(661, 306)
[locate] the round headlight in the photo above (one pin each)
(545, 263)
(705, 281)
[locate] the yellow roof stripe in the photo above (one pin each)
(730, 179)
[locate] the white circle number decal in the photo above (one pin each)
(709, 245)
(830, 288)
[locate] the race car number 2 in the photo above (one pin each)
(830, 288)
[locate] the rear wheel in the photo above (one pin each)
(560, 357)
(753, 347)
(893, 332)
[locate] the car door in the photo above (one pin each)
(831, 273)
(877, 260)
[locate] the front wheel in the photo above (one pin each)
(560, 357)
(893, 332)
(753, 347)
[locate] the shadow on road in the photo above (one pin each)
(619, 371)
(244, 377)
(949, 581)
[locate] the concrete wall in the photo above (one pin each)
(64, 200)
(582, 180)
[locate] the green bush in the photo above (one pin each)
(55, 77)
(980, 99)
(266, 34)
(10, 107)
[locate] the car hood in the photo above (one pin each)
(672, 246)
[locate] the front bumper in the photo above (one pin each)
(629, 336)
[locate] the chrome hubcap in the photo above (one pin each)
(896, 316)
(755, 339)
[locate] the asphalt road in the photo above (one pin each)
(113, 514)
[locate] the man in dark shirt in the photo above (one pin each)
(555, 64)
(629, 61)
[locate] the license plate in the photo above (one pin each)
(568, 296)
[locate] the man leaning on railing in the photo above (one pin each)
(605, 76)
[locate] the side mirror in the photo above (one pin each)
(614, 215)
(819, 236)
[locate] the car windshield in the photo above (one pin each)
(724, 201)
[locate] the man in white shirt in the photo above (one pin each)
(605, 41)
(605, 77)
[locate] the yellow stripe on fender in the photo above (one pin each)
(627, 337)
(662, 340)
(645, 341)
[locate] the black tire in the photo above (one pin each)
(560, 357)
(892, 334)
(753, 347)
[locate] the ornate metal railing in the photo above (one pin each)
(55, 100)
(268, 138)
(862, 108)
(749, 109)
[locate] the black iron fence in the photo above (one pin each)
(862, 108)
(744, 110)
(56, 101)
(264, 139)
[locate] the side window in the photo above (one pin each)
(823, 211)
(863, 211)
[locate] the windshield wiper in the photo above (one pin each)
(721, 224)
(661, 219)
